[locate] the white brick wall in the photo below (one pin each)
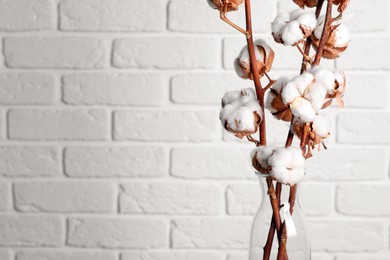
(111, 149)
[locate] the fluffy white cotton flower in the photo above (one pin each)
(325, 77)
(241, 112)
(311, 92)
(321, 127)
(289, 28)
(287, 165)
(338, 40)
(274, 101)
(228, 5)
(260, 157)
(303, 109)
(264, 59)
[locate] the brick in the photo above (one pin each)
(5, 255)
(364, 128)
(243, 199)
(349, 164)
(64, 124)
(346, 235)
(114, 89)
(5, 196)
(27, 88)
(211, 162)
(316, 199)
(62, 255)
(363, 199)
(321, 256)
(232, 47)
(211, 233)
(69, 196)
(179, 53)
(134, 161)
(117, 233)
(361, 21)
(197, 16)
(172, 255)
(29, 161)
(170, 198)
(238, 256)
(361, 256)
(33, 15)
(205, 88)
(30, 231)
(360, 49)
(366, 90)
(56, 52)
(112, 15)
(164, 125)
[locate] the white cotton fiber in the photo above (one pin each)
(303, 109)
(316, 95)
(291, 28)
(321, 126)
(262, 155)
(239, 110)
(287, 165)
(326, 78)
(290, 92)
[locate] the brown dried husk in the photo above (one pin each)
(307, 3)
(342, 5)
(263, 65)
(312, 3)
(330, 50)
(257, 166)
(230, 5)
(282, 111)
(242, 134)
(312, 138)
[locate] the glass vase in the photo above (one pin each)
(298, 246)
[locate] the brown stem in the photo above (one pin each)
(222, 11)
(271, 233)
(274, 203)
(325, 34)
(282, 252)
(255, 69)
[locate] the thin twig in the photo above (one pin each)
(325, 34)
(255, 69)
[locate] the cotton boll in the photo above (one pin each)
(290, 92)
(281, 158)
(303, 109)
(326, 78)
(262, 154)
(303, 81)
(292, 33)
(316, 94)
(341, 81)
(296, 175)
(342, 36)
(281, 174)
(280, 83)
(296, 13)
(280, 21)
(287, 165)
(242, 120)
(230, 97)
(297, 159)
(248, 92)
(241, 112)
(291, 28)
(321, 127)
(308, 19)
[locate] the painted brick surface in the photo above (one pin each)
(111, 147)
